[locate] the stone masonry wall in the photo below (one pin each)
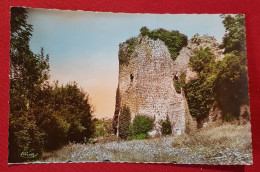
(147, 84)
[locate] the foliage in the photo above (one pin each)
(125, 54)
(27, 73)
(124, 123)
(232, 83)
(235, 37)
(199, 92)
(141, 137)
(67, 115)
(200, 97)
(174, 40)
(103, 127)
(42, 117)
(226, 81)
(166, 127)
(178, 84)
(202, 60)
(142, 125)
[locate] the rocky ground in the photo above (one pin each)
(152, 150)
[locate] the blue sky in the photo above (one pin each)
(83, 46)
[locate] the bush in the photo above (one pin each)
(166, 127)
(180, 83)
(202, 60)
(125, 55)
(140, 137)
(103, 127)
(174, 40)
(124, 123)
(142, 125)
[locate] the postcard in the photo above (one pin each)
(123, 87)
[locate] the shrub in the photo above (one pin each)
(124, 123)
(180, 83)
(103, 127)
(142, 125)
(144, 31)
(166, 127)
(140, 137)
(202, 60)
(174, 40)
(125, 55)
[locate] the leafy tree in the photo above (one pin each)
(200, 97)
(202, 60)
(235, 37)
(232, 83)
(225, 81)
(42, 117)
(73, 103)
(199, 92)
(27, 73)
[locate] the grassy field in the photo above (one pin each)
(217, 144)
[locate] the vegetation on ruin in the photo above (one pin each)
(124, 55)
(178, 84)
(43, 117)
(166, 127)
(174, 40)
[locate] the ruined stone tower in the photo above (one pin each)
(146, 84)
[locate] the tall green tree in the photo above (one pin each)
(27, 73)
(42, 117)
(124, 122)
(117, 111)
(231, 85)
(225, 81)
(235, 36)
(67, 115)
(199, 92)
